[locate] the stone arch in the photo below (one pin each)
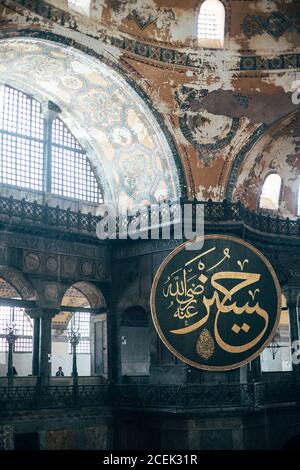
(135, 316)
(90, 296)
(273, 151)
(83, 296)
(149, 166)
(93, 294)
(18, 281)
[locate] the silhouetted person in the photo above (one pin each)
(60, 373)
(14, 371)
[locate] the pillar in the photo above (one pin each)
(45, 346)
(34, 314)
(36, 346)
(292, 295)
(114, 364)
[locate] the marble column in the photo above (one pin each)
(292, 295)
(45, 346)
(36, 346)
(34, 314)
(114, 364)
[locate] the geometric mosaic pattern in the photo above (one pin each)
(200, 128)
(252, 25)
(276, 24)
(283, 61)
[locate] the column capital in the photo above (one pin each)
(50, 110)
(292, 294)
(41, 312)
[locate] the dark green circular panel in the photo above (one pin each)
(218, 306)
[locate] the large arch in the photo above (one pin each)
(18, 281)
(130, 153)
(92, 349)
(277, 151)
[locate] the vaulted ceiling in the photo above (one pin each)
(199, 114)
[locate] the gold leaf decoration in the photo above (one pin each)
(205, 345)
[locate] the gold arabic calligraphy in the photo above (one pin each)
(186, 286)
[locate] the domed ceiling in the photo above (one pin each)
(124, 142)
(216, 103)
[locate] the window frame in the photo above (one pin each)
(284, 309)
(82, 338)
(93, 197)
(200, 42)
(12, 311)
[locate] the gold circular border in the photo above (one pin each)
(153, 309)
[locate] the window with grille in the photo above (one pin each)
(25, 152)
(211, 24)
(71, 175)
(23, 324)
(21, 140)
(80, 321)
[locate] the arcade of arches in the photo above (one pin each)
(115, 104)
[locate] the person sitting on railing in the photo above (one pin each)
(60, 373)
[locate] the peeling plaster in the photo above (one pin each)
(278, 152)
(267, 92)
(260, 106)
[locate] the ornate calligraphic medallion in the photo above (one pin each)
(217, 307)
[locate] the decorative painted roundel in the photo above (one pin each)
(218, 306)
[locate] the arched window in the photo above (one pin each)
(41, 154)
(211, 24)
(269, 198)
(277, 356)
(23, 324)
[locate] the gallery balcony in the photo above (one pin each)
(35, 216)
(172, 398)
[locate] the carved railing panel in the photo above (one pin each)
(149, 396)
(14, 210)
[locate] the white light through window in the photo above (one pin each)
(21, 140)
(71, 172)
(269, 198)
(277, 356)
(211, 24)
(81, 321)
(81, 6)
(24, 146)
(23, 325)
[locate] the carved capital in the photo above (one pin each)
(41, 312)
(292, 294)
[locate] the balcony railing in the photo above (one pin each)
(196, 397)
(22, 211)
